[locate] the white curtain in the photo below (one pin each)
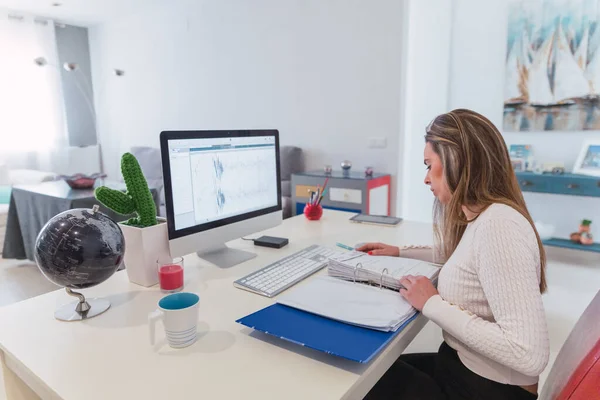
(33, 128)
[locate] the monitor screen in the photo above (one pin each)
(216, 178)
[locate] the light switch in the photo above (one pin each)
(377, 142)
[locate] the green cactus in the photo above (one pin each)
(138, 198)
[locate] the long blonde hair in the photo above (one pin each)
(478, 172)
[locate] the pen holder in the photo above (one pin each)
(313, 212)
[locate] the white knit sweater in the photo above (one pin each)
(489, 307)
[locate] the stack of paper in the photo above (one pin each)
(376, 270)
(362, 296)
(352, 303)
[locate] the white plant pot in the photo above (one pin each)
(143, 247)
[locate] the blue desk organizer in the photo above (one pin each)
(569, 184)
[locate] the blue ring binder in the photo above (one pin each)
(327, 335)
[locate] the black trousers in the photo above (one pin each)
(440, 375)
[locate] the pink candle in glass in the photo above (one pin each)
(170, 277)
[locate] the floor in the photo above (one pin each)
(20, 280)
(573, 280)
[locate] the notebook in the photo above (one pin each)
(357, 291)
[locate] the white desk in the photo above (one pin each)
(109, 357)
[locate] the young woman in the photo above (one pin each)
(488, 298)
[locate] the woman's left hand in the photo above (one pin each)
(418, 290)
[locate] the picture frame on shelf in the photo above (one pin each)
(588, 161)
(520, 151)
(518, 164)
(521, 154)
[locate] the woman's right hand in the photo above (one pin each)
(380, 249)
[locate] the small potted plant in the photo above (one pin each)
(584, 230)
(146, 239)
(584, 235)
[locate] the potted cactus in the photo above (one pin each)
(146, 239)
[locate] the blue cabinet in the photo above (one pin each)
(569, 184)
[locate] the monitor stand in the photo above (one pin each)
(225, 257)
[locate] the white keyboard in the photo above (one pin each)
(277, 277)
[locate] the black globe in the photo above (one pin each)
(79, 248)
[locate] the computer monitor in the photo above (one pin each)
(219, 186)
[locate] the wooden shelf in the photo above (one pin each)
(566, 243)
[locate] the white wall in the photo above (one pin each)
(326, 74)
(425, 95)
(476, 81)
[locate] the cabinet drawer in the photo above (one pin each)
(592, 188)
(575, 185)
(343, 195)
(569, 186)
(534, 183)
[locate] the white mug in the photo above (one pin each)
(179, 314)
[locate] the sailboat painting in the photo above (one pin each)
(552, 79)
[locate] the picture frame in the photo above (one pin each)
(520, 151)
(518, 164)
(521, 156)
(588, 161)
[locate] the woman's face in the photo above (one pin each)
(435, 175)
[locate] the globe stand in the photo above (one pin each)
(82, 309)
